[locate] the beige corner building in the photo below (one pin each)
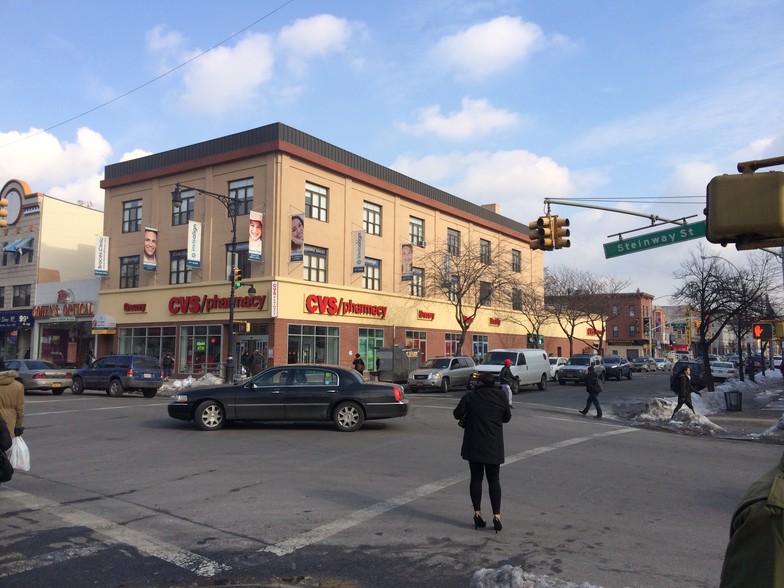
(332, 275)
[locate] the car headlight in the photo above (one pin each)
(436, 376)
(182, 398)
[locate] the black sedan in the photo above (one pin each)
(617, 367)
(297, 392)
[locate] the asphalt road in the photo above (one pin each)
(121, 495)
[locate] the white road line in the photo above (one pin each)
(201, 566)
(48, 559)
(30, 414)
(318, 534)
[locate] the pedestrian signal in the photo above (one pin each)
(763, 331)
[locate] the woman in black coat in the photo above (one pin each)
(485, 410)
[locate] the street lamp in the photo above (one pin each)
(231, 208)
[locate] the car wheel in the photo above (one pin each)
(444, 385)
(629, 375)
(115, 388)
(149, 393)
(601, 377)
(348, 417)
(543, 383)
(77, 387)
(561, 382)
(515, 386)
(209, 416)
(58, 391)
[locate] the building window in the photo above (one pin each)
(632, 330)
(485, 290)
(631, 310)
(179, 270)
(480, 346)
(154, 341)
(416, 231)
(241, 193)
(614, 310)
(316, 200)
(314, 265)
(484, 251)
(371, 218)
(517, 265)
(417, 283)
(615, 331)
(2, 296)
(371, 279)
(451, 288)
(313, 344)
(417, 340)
(129, 272)
(181, 215)
(517, 299)
(21, 295)
(450, 343)
(453, 242)
(132, 216)
(370, 341)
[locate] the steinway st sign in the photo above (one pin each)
(653, 240)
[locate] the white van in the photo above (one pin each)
(529, 367)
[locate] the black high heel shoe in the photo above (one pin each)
(497, 524)
(479, 522)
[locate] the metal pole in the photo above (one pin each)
(231, 206)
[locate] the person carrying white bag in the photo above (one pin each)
(12, 410)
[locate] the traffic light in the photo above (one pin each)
(746, 209)
(237, 277)
(764, 331)
(3, 212)
(541, 234)
(559, 233)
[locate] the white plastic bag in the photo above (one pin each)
(19, 455)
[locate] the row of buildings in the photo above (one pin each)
(329, 245)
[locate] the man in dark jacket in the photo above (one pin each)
(593, 386)
(506, 377)
(755, 552)
(683, 389)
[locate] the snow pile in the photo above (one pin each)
(658, 414)
(512, 577)
(173, 387)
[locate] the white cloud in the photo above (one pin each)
(490, 47)
(71, 171)
(476, 118)
(309, 38)
(690, 179)
(228, 78)
(135, 154)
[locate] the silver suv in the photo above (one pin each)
(576, 369)
(443, 373)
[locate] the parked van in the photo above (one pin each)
(529, 367)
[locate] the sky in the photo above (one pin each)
(631, 106)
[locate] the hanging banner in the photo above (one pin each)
(407, 256)
(358, 252)
(297, 237)
(149, 259)
(255, 225)
(194, 244)
(102, 256)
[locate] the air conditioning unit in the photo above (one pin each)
(422, 244)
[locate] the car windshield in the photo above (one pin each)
(41, 365)
(578, 361)
(553, 361)
(612, 359)
(640, 360)
(438, 363)
(498, 357)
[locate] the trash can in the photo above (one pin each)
(734, 399)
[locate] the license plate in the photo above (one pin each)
(419, 384)
(55, 384)
(148, 375)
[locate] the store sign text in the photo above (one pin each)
(128, 307)
(72, 309)
(316, 304)
(495, 322)
(426, 316)
(206, 304)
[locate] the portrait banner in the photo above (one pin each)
(297, 237)
(150, 249)
(255, 231)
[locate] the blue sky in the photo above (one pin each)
(634, 105)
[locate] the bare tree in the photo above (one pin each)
(723, 295)
(470, 277)
(603, 294)
(566, 296)
(528, 308)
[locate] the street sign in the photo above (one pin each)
(653, 240)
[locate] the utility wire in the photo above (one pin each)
(153, 80)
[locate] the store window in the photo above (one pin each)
(241, 193)
(129, 271)
(132, 216)
(480, 346)
(370, 341)
(184, 213)
(416, 231)
(21, 295)
(316, 201)
(418, 340)
(179, 270)
(155, 341)
(371, 218)
(200, 349)
(313, 344)
(371, 279)
(450, 343)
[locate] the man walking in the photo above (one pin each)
(593, 386)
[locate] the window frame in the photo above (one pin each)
(316, 202)
(485, 255)
(179, 270)
(517, 261)
(184, 213)
(416, 231)
(371, 218)
(241, 196)
(314, 264)
(417, 283)
(372, 274)
(132, 223)
(130, 280)
(453, 242)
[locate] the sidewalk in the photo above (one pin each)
(762, 407)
